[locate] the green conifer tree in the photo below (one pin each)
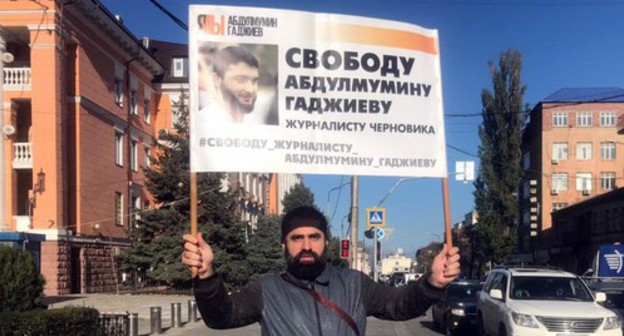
(500, 172)
(21, 285)
(157, 234)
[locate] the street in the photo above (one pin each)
(420, 326)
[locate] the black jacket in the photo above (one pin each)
(284, 309)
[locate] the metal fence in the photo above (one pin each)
(115, 324)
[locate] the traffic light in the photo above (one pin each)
(345, 245)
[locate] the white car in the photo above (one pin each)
(541, 301)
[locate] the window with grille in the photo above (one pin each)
(180, 67)
(607, 119)
(134, 147)
(119, 148)
(607, 150)
(560, 181)
(560, 151)
(584, 151)
(607, 180)
(147, 161)
(584, 119)
(118, 209)
(146, 111)
(584, 181)
(133, 103)
(560, 119)
(118, 92)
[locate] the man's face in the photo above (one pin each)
(305, 251)
(240, 86)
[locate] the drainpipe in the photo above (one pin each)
(3, 224)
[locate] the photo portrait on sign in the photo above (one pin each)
(237, 84)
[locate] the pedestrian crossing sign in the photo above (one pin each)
(375, 217)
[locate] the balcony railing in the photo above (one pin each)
(16, 79)
(23, 155)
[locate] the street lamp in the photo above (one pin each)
(338, 187)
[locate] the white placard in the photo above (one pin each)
(297, 92)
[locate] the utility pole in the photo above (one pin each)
(354, 221)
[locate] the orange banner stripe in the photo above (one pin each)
(379, 37)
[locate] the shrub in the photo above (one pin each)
(68, 321)
(21, 285)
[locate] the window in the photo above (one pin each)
(134, 147)
(607, 180)
(118, 92)
(146, 156)
(560, 181)
(136, 205)
(526, 160)
(584, 119)
(560, 119)
(583, 181)
(560, 151)
(146, 111)
(557, 206)
(118, 209)
(119, 148)
(180, 67)
(584, 150)
(607, 150)
(607, 118)
(133, 103)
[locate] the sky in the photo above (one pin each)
(564, 43)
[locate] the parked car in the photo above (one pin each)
(614, 290)
(540, 301)
(456, 312)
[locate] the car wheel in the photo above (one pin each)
(480, 328)
(502, 331)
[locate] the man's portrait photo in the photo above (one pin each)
(237, 84)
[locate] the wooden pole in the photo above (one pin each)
(354, 221)
(447, 213)
(193, 213)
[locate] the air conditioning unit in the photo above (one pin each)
(585, 192)
(554, 192)
(554, 161)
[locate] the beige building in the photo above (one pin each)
(396, 262)
(570, 154)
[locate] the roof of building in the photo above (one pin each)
(577, 95)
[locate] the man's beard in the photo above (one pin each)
(308, 270)
(230, 98)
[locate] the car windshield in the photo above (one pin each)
(463, 292)
(548, 288)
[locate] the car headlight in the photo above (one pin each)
(524, 320)
(458, 312)
(612, 322)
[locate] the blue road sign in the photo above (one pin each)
(375, 217)
(380, 233)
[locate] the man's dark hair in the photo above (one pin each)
(233, 55)
(303, 216)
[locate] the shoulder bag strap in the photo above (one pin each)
(327, 302)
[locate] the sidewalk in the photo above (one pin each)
(141, 304)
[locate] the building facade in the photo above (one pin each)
(80, 111)
(570, 154)
(279, 185)
(395, 262)
(579, 230)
